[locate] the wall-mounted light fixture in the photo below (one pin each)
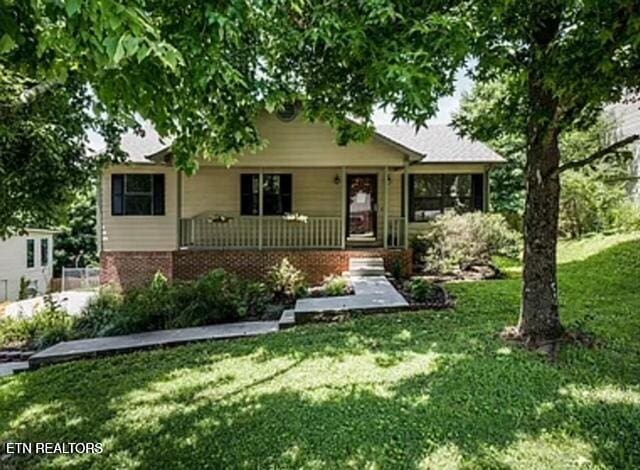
(336, 179)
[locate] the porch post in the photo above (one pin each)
(343, 208)
(406, 204)
(260, 206)
(386, 207)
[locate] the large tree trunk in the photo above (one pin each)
(539, 318)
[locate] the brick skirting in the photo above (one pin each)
(128, 269)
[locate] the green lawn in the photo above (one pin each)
(426, 389)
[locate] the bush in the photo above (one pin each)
(99, 315)
(46, 327)
(286, 281)
(589, 203)
(218, 297)
(453, 242)
(335, 285)
(421, 290)
(586, 204)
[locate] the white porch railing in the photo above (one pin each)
(395, 237)
(244, 232)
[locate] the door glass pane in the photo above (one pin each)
(362, 209)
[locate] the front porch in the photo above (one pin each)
(294, 209)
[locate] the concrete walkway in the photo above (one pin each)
(8, 368)
(370, 293)
(69, 350)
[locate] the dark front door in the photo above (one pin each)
(362, 206)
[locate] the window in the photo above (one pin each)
(31, 253)
(44, 252)
(431, 195)
(137, 194)
(276, 194)
(288, 112)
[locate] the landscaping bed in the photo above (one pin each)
(218, 297)
(422, 293)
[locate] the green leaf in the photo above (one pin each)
(143, 52)
(72, 7)
(6, 43)
(119, 52)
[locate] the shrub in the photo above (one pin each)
(218, 297)
(397, 269)
(587, 204)
(23, 290)
(286, 281)
(46, 327)
(592, 203)
(455, 241)
(421, 290)
(335, 285)
(99, 315)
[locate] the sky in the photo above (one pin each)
(447, 106)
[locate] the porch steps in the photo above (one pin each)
(359, 267)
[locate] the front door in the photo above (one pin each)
(362, 207)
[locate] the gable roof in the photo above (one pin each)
(433, 144)
(439, 144)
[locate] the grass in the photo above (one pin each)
(412, 390)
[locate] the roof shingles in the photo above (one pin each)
(436, 144)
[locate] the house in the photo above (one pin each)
(626, 121)
(27, 256)
(302, 197)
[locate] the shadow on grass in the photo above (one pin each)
(407, 390)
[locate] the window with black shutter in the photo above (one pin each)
(137, 194)
(277, 194)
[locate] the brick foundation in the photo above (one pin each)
(131, 269)
(128, 269)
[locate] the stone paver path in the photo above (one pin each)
(370, 293)
(8, 368)
(70, 350)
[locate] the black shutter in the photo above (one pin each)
(246, 195)
(158, 194)
(286, 191)
(117, 194)
(477, 191)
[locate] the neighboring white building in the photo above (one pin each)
(626, 117)
(29, 256)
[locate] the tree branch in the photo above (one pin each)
(596, 155)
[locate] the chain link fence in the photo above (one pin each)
(80, 279)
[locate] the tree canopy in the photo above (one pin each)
(203, 71)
